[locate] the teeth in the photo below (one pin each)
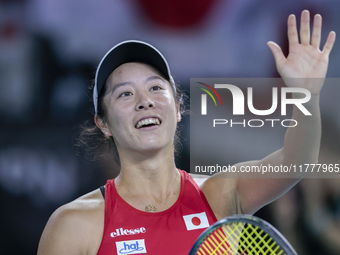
(148, 122)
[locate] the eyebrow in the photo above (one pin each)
(119, 85)
(151, 78)
(155, 77)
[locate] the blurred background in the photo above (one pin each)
(49, 50)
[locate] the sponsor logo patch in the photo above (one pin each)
(131, 247)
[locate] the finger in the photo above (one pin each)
(277, 53)
(316, 35)
(304, 28)
(292, 31)
(327, 48)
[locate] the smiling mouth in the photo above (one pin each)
(148, 122)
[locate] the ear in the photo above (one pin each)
(101, 124)
(179, 116)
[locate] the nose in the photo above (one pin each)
(144, 103)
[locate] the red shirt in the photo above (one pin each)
(171, 232)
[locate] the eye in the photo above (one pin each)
(156, 87)
(125, 94)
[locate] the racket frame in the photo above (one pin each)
(250, 219)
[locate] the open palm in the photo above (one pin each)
(305, 60)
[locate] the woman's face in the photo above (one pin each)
(141, 111)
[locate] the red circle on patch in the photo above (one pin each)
(196, 221)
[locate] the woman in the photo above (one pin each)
(152, 207)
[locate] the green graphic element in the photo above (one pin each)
(208, 94)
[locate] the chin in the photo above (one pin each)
(155, 147)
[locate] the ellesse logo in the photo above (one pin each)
(127, 232)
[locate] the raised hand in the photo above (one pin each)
(305, 59)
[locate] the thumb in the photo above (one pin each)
(277, 53)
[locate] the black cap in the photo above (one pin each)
(124, 52)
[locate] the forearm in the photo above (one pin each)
(301, 146)
(302, 142)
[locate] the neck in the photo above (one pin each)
(151, 179)
(148, 176)
(147, 169)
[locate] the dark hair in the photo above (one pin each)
(98, 146)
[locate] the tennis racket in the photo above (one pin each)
(242, 235)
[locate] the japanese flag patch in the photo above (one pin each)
(196, 221)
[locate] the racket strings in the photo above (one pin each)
(239, 239)
(255, 241)
(223, 240)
